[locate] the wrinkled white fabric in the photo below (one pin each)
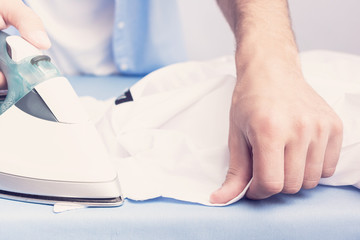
(171, 140)
(336, 77)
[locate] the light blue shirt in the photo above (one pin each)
(147, 35)
(102, 37)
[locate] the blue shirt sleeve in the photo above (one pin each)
(147, 35)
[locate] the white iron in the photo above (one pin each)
(49, 150)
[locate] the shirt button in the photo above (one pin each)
(121, 25)
(124, 66)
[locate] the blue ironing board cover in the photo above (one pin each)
(322, 213)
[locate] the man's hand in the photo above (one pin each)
(282, 133)
(17, 14)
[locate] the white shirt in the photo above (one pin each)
(81, 34)
(170, 138)
(104, 37)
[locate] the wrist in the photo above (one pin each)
(267, 55)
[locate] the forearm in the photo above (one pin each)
(262, 31)
(282, 134)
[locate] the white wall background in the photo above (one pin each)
(318, 24)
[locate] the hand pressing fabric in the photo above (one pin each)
(283, 135)
(16, 13)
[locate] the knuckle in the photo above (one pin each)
(338, 126)
(321, 129)
(302, 126)
(266, 124)
(303, 122)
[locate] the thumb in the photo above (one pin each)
(239, 173)
(30, 26)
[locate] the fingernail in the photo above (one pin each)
(41, 39)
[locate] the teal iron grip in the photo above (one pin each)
(22, 76)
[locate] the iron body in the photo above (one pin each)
(50, 151)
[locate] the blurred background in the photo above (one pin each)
(318, 24)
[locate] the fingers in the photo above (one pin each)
(333, 149)
(268, 168)
(294, 166)
(279, 166)
(283, 164)
(324, 153)
(3, 24)
(308, 157)
(239, 173)
(30, 26)
(3, 84)
(314, 164)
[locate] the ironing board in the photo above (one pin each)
(321, 213)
